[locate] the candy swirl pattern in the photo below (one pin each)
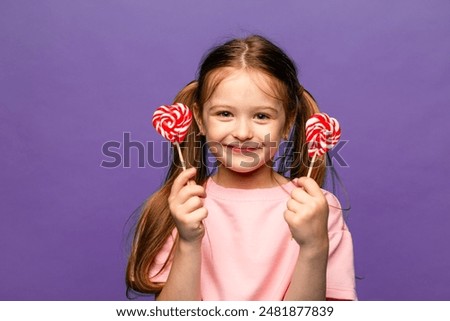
(172, 121)
(322, 133)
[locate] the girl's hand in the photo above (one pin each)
(307, 215)
(186, 206)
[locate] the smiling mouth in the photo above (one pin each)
(242, 149)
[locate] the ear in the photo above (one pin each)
(198, 118)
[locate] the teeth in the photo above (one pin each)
(244, 146)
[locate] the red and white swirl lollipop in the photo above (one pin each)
(322, 134)
(172, 122)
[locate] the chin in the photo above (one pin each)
(244, 167)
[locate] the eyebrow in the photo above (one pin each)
(218, 106)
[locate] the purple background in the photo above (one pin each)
(76, 74)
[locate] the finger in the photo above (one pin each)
(293, 205)
(300, 195)
(310, 186)
(182, 180)
(289, 217)
(200, 213)
(189, 191)
(192, 204)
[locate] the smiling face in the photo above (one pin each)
(243, 122)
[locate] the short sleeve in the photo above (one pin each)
(340, 271)
(156, 274)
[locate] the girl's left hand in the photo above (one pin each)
(307, 215)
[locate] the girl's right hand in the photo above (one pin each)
(186, 206)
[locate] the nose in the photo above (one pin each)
(243, 130)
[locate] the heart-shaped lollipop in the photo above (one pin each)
(322, 134)
(172, 121)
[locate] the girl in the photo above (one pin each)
(244, 231)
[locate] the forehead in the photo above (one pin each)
(229, 83)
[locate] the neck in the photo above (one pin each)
(263, 177)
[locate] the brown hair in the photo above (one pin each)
(253, 53)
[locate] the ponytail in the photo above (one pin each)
(156, 224)
(296, 160)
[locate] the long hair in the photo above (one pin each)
(255, 53)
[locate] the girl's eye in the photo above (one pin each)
(224, 113)
(261, 116)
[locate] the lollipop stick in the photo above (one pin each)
(183, 163)
(311, 165)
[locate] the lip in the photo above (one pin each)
(242, 149)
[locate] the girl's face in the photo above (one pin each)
(243, 122)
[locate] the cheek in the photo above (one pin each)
(278, 133)
(215, 148)
(216, 129)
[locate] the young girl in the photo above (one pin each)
(244, 231)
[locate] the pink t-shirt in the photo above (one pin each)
(248, 252)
